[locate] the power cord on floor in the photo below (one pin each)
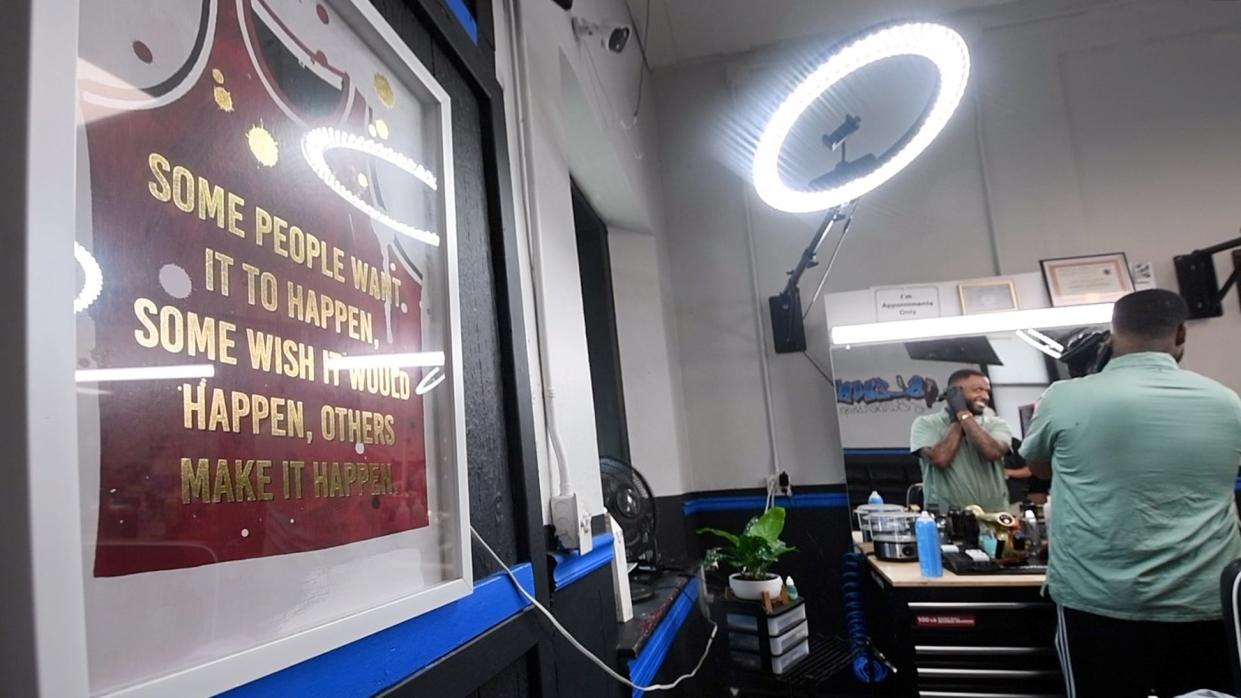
(577, 645)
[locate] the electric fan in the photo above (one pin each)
(628, 498)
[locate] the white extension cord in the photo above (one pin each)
(578, 646)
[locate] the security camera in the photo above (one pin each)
(617, 39)
(617, 34)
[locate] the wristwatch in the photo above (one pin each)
(962, 416)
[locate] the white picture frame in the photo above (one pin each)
(58, 569)
(991, 296)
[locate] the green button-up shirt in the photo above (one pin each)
(969, 479)
(1144, 456)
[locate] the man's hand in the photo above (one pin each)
(957, 402)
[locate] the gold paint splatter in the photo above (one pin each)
(263, 146)
(381, 127)
(383, 88)
(371, 128)
(363, 181)
(223, 99)
(217, 75)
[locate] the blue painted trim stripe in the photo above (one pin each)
(369, 665)
(877, 452)
(810, 500)
(646, 665)
(572, 566)
(462, 13)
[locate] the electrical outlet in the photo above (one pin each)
(572, 525)
(780, 485)
(585, 540)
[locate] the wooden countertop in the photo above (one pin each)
(907, 574)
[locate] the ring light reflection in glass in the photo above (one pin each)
(315, 146)
(413, 359)
(143, 373)
(970, 325)
(92, 286)
(429, 382)
(940, 45)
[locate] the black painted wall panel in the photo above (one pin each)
(509, 683)
(588, 610)
(491, 501)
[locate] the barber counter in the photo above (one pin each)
(965, 635)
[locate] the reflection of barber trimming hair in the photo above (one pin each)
(1141, 318)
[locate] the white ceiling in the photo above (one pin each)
(684, 30)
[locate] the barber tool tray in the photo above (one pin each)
(977, 562)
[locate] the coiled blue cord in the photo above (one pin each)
(866, 667)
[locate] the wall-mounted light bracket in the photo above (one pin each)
(1195, 275)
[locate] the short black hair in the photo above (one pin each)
(963, 374)
(1152, 314)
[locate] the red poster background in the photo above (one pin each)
(143, 523)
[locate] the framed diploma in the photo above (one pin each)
(987, 296)
(271, 439)
(1084, 280)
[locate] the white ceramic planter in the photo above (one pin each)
(753, 591)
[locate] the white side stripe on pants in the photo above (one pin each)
(1062, 649)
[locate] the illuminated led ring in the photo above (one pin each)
(93, 285)
(938, 44)
(319, 141)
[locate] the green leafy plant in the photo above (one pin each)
(754, 551)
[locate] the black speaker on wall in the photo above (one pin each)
(787, 329)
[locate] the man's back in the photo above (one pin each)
(1145, 457)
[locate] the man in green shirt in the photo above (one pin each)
(1143, 516)
(962, 449)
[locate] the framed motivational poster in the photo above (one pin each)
(269, 417)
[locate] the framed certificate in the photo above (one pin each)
(987, 296)
(269, 417)
(1083, 280)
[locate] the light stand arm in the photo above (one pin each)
(808, 255)
(787, 329)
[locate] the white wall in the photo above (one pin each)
(645, 328)
(1120, 130)
(1087, 127)
(570, 114)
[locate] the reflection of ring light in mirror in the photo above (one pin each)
(414, 359)
(940, 45)
(1042, 342)
(429, 382)
(317, 142)
(93, 285)
(970, 325)
(143, 373)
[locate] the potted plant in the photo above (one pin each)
(752, 554)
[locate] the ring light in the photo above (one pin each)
(943, 47)
(319, 141)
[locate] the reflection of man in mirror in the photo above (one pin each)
(962, 448)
